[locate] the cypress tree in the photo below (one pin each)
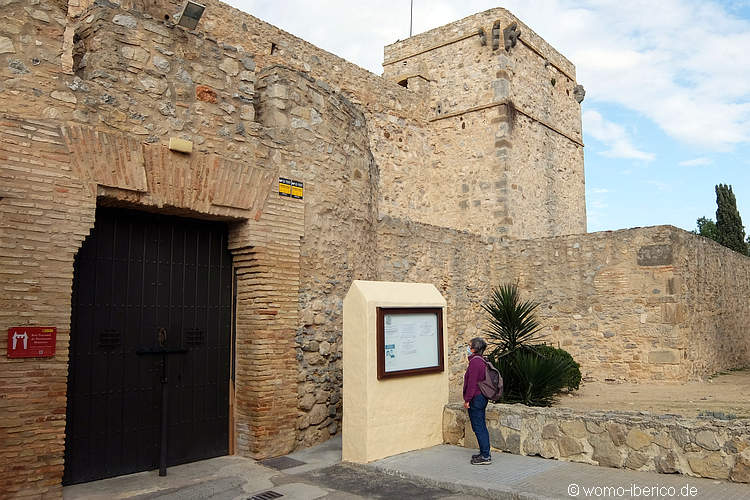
(729, 228)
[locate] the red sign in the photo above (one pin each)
(31, 341)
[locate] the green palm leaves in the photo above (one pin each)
(513, 325)
(533, 374)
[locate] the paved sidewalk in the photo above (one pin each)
(314, 473)
(521, 477)
(438, 473)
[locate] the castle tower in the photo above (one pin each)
(505, 156)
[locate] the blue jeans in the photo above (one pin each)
(477, 408)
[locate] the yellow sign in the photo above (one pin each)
(290, 188)
(297, 189)
(285, 187)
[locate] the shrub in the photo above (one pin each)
(533, 379)
(533, 374)
(572, 376)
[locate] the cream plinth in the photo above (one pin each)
(386, 417)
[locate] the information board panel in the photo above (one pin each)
(31, 341)
(410, 341)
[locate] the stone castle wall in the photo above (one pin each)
(492, 190)
(339, 180)
(507, 129)
(716, 307)
(633, 304)
(392, 191)
(603, 304)
(45, 212)
(458, 263)
(99, 135)
(628, 305)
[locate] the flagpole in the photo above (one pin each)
(411, 16)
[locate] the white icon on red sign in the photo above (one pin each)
(17, 337)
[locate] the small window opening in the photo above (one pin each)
(404, 83)
(273, 48)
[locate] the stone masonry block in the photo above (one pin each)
(655, 255)
(664, 356)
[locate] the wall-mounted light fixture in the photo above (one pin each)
(191, 14)
(181, 145)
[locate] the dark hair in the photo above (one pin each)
(478, 344)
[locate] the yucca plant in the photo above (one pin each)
(533, 373)
(513, 324)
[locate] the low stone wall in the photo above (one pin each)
(710, 448)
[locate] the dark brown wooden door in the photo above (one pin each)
(137, 275)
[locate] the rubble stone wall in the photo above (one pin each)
(458, 263)
(710, 448)
(326, 147)
(654, 303)
(508, 119)
(716, 309)
(620, 302)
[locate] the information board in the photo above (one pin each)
(31, 341)
(410, 341)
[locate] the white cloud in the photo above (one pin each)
(598, 204)
(683, 64)
(613, 136)
(661, 186)
(697, 162)
(597, 208)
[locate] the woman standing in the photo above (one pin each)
(475, 402)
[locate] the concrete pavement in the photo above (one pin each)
(307, 474)
(535, 478)
(440, 472)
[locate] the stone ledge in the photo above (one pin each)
(710, 448)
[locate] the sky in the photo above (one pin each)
(667, 109)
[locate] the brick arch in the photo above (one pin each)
(51, 176)
(153, 175)
(264, 239)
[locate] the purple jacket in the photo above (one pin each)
(474, 374)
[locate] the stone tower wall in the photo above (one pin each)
(507, 119)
